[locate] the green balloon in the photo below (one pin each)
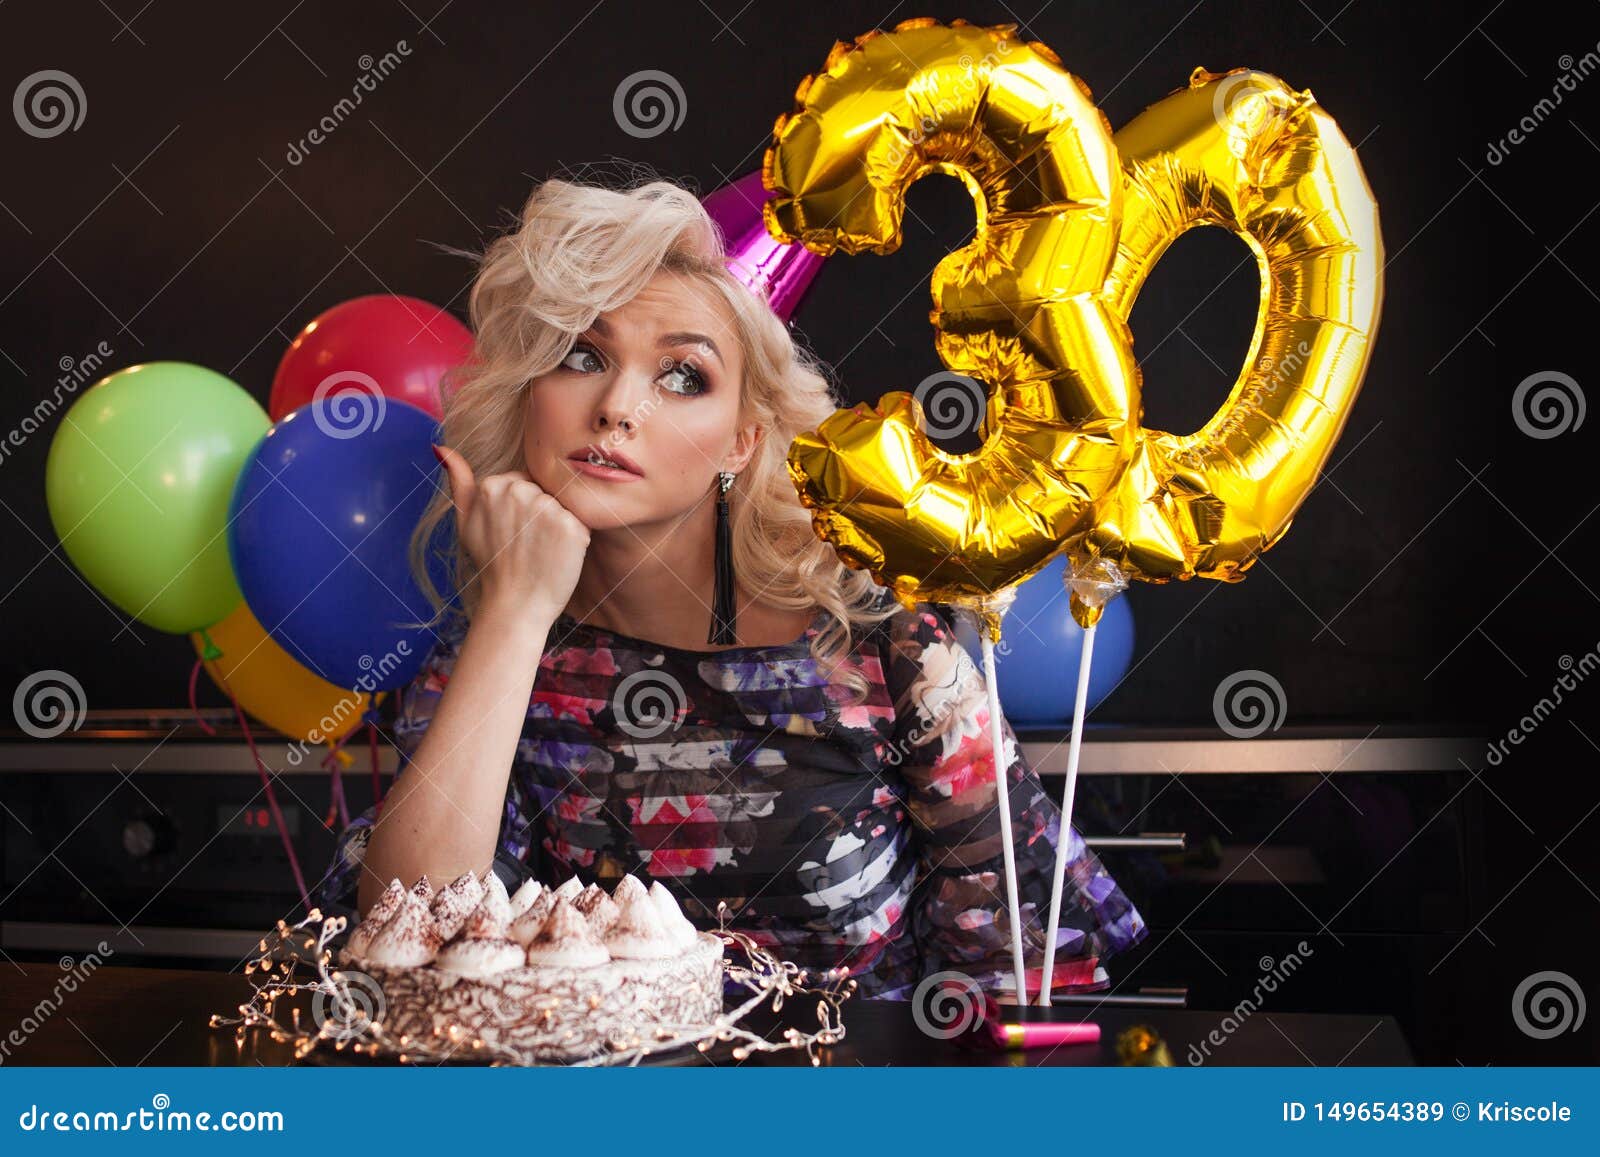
(138, 481)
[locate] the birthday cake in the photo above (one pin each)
(550, 974)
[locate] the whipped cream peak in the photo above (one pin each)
(409, 939)
(482, 924)
(638, 931)
(569, 888)
(423, 888)
(478, 957)
(599, 909)
(525, 926)
(451, 905)
(383, 908)
(496, 900)
(387, 904)
(678, 926)
(524, 896)
(466, 884)
(566, 940)
(628, 888)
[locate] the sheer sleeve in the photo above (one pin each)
(337, 891)
(944, 755)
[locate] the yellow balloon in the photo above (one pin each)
(274, 687)
(1070, 221)
(1243, 151)
(1021, 308)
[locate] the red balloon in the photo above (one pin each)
(381, 344)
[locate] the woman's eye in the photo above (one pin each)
(690, 380)
(581, 351)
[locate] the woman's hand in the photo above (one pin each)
(528, 548)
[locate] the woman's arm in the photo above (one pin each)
(959, 911)
(442, 817)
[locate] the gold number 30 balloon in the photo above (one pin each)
(1069, 222)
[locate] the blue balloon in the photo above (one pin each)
(1036, 661)
(318, 532)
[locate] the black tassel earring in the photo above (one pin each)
(723, 608)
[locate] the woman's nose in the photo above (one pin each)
(613, 412)
(621, 403)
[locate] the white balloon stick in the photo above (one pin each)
(1003, 790)
(1062, 844)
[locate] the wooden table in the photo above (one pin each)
(159, 1016)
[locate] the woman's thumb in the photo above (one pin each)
(463, 486)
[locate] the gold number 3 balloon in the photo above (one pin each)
(1070, 220)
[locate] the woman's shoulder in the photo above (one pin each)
(906, 632)
(918, 620)
(927, 669)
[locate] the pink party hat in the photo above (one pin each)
(777, 271)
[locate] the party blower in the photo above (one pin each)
(991, 1031)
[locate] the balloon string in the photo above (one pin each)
(1063, 849)
(1003, 786)
(339, 796)
(338, 803)
(335, 746)
(272, 799)
(194, 707)
(332, 818)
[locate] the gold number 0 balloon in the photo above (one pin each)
(1244, 151)
(1034, 307)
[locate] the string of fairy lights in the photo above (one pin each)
(348, 1010)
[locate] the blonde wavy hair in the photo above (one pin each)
(579, 250)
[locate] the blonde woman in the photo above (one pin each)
(828, 775)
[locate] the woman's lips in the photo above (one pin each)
(593, 453)
(583, 464)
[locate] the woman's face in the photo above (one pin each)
(654, 385)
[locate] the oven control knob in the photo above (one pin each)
(147, 836)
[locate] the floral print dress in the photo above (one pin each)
(862, 835)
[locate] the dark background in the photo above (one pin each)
(1445, 553)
